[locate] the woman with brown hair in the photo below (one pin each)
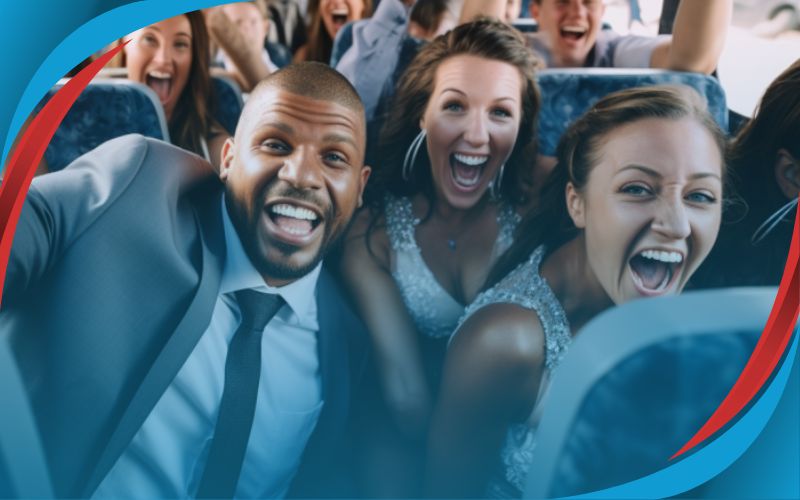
(765, 172)
(172, 58)
(631, 210)
(442, 206)
(327, 18)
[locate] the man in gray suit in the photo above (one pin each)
(124, 298)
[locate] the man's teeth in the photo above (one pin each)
(160, 75)
(574, 29)
(294, 212)
(663, 256)
(472, 161)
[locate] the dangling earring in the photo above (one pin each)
(494, 189)
(411, 154)
(772, 221)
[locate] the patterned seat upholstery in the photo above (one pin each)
(568, 93)
(105, 109)
(661, 383)
(229, 102)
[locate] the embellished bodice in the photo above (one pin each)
(434, 311)
(526, 287)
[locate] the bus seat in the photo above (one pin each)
(568, 93)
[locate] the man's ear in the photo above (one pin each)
(227, 159)
(787, 174)
(576, 206)
(365, 171)
(534, 9)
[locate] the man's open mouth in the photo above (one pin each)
(295, 221)
(573, 33)
(467, 170)
(654, 270)
(160, 82)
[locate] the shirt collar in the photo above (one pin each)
(239, 273)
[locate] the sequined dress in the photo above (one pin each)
(434, 311)
(526, 287)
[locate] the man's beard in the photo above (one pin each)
(279, 269)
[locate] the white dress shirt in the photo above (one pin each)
(167, 456)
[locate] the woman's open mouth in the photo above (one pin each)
(654, 271)
(340, 18)
(467, 170)
(161, 83)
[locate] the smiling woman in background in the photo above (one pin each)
(172, 58)
(327, 18)
(631, 210)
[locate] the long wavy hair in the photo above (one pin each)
(734, 260)
(578, 152)
(486, 38)
(775, 126)
(192, 119)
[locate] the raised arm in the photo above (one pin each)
(245, 54)
(491, 377)
(367, 277)
(60, 206)
(698, 37)
(479, 8)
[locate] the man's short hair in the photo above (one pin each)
(313, 80)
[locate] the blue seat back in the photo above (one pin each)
(105, 109)
(568, 93)
(638, 382)
(229, 102)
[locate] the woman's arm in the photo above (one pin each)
(491, 378)
(366, 275)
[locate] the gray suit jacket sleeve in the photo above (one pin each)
(62, 206)
(59, 207)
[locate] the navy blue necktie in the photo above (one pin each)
(238, 406)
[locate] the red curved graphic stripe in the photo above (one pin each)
(767, 352)
(29, 151)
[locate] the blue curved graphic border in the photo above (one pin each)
(715, 457)
(61, 34)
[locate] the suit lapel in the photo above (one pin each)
(179, 345)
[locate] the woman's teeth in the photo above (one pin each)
(467, 169)
(471, 160)
(653, 269)
(663, 256)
